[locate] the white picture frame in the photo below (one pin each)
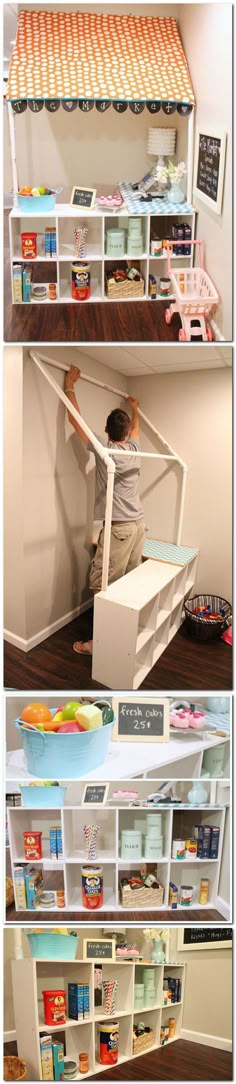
(213, 135)
(182, 947)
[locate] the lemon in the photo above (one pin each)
(35, 192)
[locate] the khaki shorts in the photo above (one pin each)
(127, 541)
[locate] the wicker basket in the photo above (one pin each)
(14, 1068)
(136, 898)
(143, 1042)
(9, 892)
(201, 628)
(128, 288)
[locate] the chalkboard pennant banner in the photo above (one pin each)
(137, 107)
(69, 104)
(184, 109)
(120, 107)
(36, 104)
(19, 106)
(168, 107)
(101, 106)
(86, 104)
(52, 105)
(153, 107)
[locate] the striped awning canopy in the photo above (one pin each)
(76, 55)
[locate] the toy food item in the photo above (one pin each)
(92, 887)
(180, 720)
(58, 718)
(69, 710)
(89, 717)
(32, 845)
(25, 191)
(196, 720)
(54, 1007)
(71, 727)
(36, 713)
(29, 245)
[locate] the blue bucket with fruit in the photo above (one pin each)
(33, 200)
(67, 743)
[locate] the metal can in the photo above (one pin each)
(186, 895)
(165, 285)
(80, 285)
(191, 848)
(178, 848)
(92, 887)
(109, 1043)
(204, 890)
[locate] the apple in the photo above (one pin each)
(57, 718)
(69, 710)
(71, 727)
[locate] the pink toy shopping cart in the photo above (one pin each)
(195, 298)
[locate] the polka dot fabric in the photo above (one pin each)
(79, 55)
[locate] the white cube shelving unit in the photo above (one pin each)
(137, 616)
(65, 218)
(34, 975)
(176, 823)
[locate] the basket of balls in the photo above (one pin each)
(207, 616)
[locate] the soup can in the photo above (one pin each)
(80, 285)
(191, 848)
(186, 895)
(165, 285)
(178, 848)
(92, 887)
(109, 1043)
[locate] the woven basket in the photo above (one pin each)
(201, 628)
(14, 1068)
(9, 892)
(143, 1042)
(136, 898)
(126, 288)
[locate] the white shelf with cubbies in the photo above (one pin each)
(137, 857)
(103, 252)
(34, 976)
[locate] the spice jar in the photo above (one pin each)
(204, 890)
(52, 291)
(172, 1023)
(83, 1063)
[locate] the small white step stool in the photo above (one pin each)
(135, 619)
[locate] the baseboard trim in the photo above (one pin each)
(217, 1041)
(217, 333)
(223, 907)
(27, 645)
(9, 1036)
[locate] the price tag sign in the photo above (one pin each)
(209, 166)
(95, 794)
(83, 198)
(99, 950)
(144, 720)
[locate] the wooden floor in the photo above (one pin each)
(179, 1061)
(134, 321)
(53, 880)
(186, 664)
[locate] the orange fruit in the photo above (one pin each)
(25, 191)
(36, 713)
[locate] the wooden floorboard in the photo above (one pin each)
(134, 321)
(179, 1061)
(186, 664)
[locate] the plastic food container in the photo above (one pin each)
(33, 204)
(52, 946)
(43, 797)
(63, 755)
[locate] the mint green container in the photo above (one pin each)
(135, 227)
(154, 825)
(115, 243)
(149, 997)
(149, 978)
(131, 845)
(153, 848)
(135, 246)
(138, 995)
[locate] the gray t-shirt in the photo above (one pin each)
(126, 499)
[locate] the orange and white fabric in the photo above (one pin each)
(85, 55)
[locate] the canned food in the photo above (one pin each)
(165, 285)
(204, 890)
(109, 1043)
(186, 895)
(80, 281)
(156, 247)
(92, 887)
(178, 848)
(191, 848)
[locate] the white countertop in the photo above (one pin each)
(125, 760)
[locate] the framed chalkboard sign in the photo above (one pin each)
(99, 949)
(95, 794)
(83, 198)
(195, 937)
(140, 720)
(209, 166)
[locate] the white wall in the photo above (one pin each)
(193, 412)
(207, 1015)
(207, 39)
(52, 519)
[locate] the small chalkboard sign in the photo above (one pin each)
(99, 949)
(84, 198)
(209, 164)
(95, 794)
(140, 720)
(204, 937)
